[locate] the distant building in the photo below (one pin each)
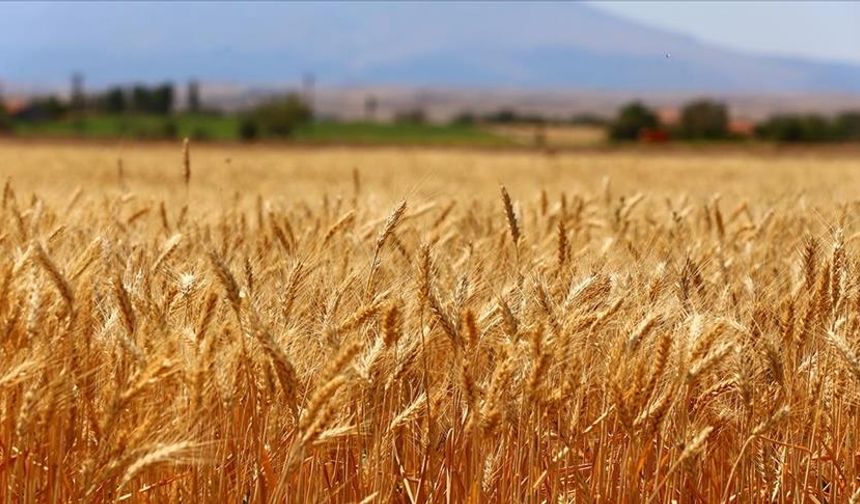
(669, 116)
(16, 105)
(653, 135)
(35, 109)
(741, 127)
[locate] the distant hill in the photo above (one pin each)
(508, 45)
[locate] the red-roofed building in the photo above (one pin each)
(741, 127)
(15, 105)
(669, 116)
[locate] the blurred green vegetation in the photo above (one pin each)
(217, 127)
(138, 126)
(811, 128)
(632, 121)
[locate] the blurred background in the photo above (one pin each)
(536, 75)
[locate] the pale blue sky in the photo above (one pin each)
(618, 45)
(821, 30)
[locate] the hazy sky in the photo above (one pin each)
(597, 44)
(822, 30)
(827, 30)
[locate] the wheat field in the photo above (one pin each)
(235, 324)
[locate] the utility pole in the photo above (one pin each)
(308, 84)
(371, 104)
(194, 96)
(77, 93)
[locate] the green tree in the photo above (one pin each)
(847, 126)
(141, 98)
(155, 100)
(797, 128)
(45, 109)
(248, 129)
(5, 121)
(280, 117)
(632, 119)
(704, 120)
(162, 99)
(114, 100)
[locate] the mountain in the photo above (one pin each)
(509, 45)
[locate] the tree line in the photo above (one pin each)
(281, 116)
(278, 116)
(158, 99)
(709, 120)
